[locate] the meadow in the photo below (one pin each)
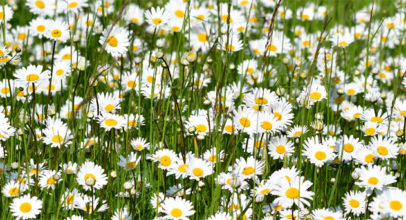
(203, 109)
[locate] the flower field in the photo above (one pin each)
(203, 109)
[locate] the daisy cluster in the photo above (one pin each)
(187, 109)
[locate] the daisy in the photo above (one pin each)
(383, 148)
(6, 15)
(134, 14)
(26, 207)
(58, 136)
(352, 113)
(247, 169)
(354, 202)
(374, 177)
(297, 131)
(220, 216)
(31, 74)
(14, 189)
(140, 144)
(279, 147)
(234, 44)
(61, 70)
(110, 121)
(70, 168)
(212, 156)
(200, 123)
(342, 41)
(157, 17)
(106, 102)
(244, 119)
(331, 214)
(350, 147)
(156, 201)
(179, 169)
(57, 30)
(226, 178)
(94, 171)
(198, 168)
(177, 208)
(89, 204)
(318, 153)
(42, 7)
(47, 180)
(129, 163)
(116, 40)
(365, 156)
(394, 202)
(371, 128)
(292, 192)
(72, 6)
(122, 214)
(165, 157)
(39, 26)
(176, 8)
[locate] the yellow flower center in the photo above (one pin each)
(182, 168)
(57, 139)
(213, 158)
(109, 108)
(130, 165)
(40, 28)
(370, 131)
(165, 161)
(280, 149)
(266, 125)
(13, 191)
(369, 158)
(110, 122)
(320, 155)
(56, 33)
(201, 128)
(198, 172)
(179, 14)
(32, 77)
(40, 4)
(348, 148)
(73, 5)
(5, 90)
(51, 181)
(245, 122)
(69, 200)
(25, 207)
(382, 150)
(315, 95)
(229, 128)
(90, 175)
(157, 21)
(176, 212)
(248, 170)
(354, 203)
(112, 41)
(265, 191)
(395, 205)
(373, 180)
(292, 193)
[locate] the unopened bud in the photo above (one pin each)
(191, 129)
(113, 174)
(82, 64)
(56, 177)
(285, 60)
(355, 175)
(340, 92)
(128, 185)
(90, 181)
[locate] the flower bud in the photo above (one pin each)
(235, 182)
(340, 92)
(159, 54)
(128, 185)
(207, 102)
(14, 165)
(280, 91)
(90, 181)
(56, 177)
(200, 137)
(191, 129)
(355, 175)
(82, 64)
(285, 60)
(113, 174)
(394, 165)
